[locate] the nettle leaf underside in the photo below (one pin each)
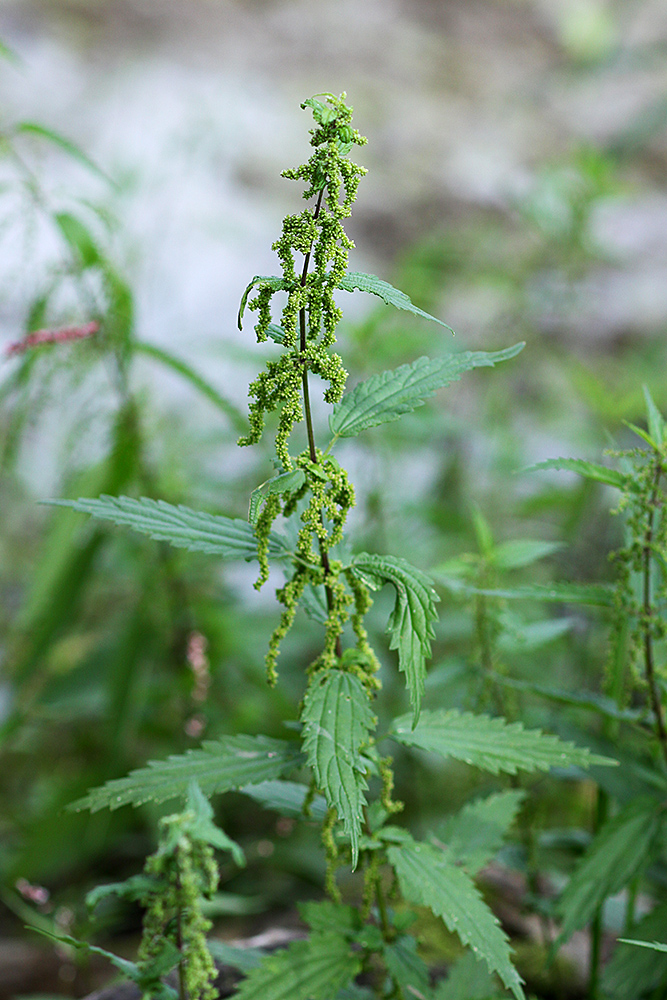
(427, 879)
(228, 537)
(337, 723)
(491, 744)
(411, 621)
(387, 396)
(217, 766)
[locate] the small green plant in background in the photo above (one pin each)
(337, 768)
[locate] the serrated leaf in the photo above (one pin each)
(406, 967)
(283, 483)
(592, 594)
(411, 621)
(490, 744)
(599, 473)
(325, 915)
(522, 552)
(286, 797)
(427, 879)
(217, 766)
(228, 537)
(337, 723)
(315, 969)
(272, 280)
(638, 971)
(476, 833)
(387, 396)
(358, 281)
(467, 979)
(620, 851)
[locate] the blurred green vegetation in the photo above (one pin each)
(117, 650)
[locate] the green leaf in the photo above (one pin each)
(411, 621)
(234, 415)
(315, 969)
(286, 797)
(135, 888)
(358, 281)
(656, 423)
(427, 879)
(406, 967)
(653, 945)
(620, 851)
(639, 971)
(217, 766)
(243, 959)
(66, 145)
(387, 396)
(490, 744)
(272, 280)
(79, 238)
(148, 979)
(595, 594)
(533, 636)
(337, 723)
(325, 915)
(468, 979)
(475, 834)
(589, 701)
(203, 828)
(522, 552)
(283, 483)
(599, 473)
(231, 538)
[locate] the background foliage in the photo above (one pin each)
(117, 650)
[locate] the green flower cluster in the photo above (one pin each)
(184, 873)
(309, 318)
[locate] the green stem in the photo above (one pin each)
(324, 555)
(647, 608)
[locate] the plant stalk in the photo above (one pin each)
(324, 555)
(649, 662)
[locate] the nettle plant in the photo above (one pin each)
(337, 770)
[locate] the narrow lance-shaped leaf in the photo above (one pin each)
(217, 766)
(619, 851)
(315, 969)
(387, 396)
(229, 537)
(411, 621)
(62, 142)
(599, 595)
(427, 879)
(599, 473)
(283, 483)
(234, 415)
(490, 744)
(337, 723)
(358, 281)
